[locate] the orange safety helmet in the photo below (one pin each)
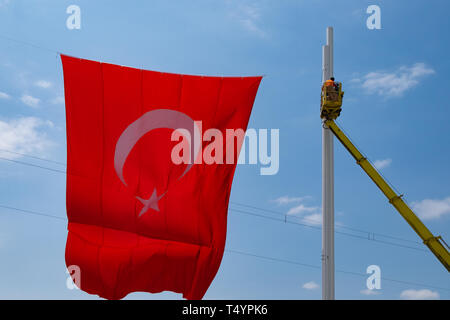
(330, 82)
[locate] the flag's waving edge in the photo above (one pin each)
(137, 220)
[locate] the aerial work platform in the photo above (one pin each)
(330, 109)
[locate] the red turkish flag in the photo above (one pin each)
(137, 220)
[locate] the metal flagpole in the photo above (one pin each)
(327, 184)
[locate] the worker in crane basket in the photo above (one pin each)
(332, 89)
(330, 82)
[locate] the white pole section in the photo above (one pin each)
(327, 184)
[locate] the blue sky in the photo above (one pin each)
(395, 109)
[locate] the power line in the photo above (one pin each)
(337, 270)
(249, 254)
(30, 44)
(24, 211)
(370, 235)
(32, 157)
(274, 259)
(320, 228)
(32, 165)
(232, 202)
(286, 214)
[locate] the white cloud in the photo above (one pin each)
(301, 208)
(368, 292)
(249, 16)
(395, 83)
(4, 95)
(311, 215)
(283, 200)
(381, 164)
(423, 294)
(23, 135)
(43, 84)
(57, 100)
(310, 285)
(30, 101)
(314, 219)
(428, 209)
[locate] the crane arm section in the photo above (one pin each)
(434, 243)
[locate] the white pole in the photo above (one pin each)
(327, 184)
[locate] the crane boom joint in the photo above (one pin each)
(358, 161)
(393, 199)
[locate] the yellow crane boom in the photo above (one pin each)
(330, 110)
